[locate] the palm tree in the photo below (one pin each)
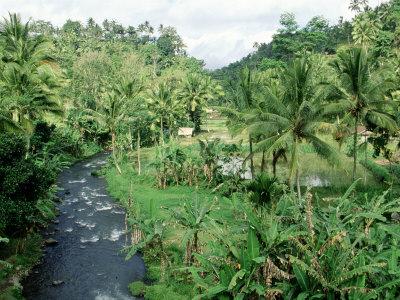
(361, 94)
(365, 28)
(293, 116)
(29, 79)
(111, 114)
(245, 98)
(130, 89)
(195, 92)
(164, 106)
(355, 5)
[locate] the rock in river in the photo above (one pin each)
(50, 242)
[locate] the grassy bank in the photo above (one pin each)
(143, 192)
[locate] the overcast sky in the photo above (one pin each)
(217, 31)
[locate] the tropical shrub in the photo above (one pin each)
(296, 251)
(380, 172)
(263, 189)
(22, 183)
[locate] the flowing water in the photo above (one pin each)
(87, 258)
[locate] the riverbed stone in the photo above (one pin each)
(56, 222)
(395, 216)
(57, 282)
(50, 242)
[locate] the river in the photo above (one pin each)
(89, 232)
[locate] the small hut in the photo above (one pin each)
(185, 131)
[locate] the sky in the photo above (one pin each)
(216, 31)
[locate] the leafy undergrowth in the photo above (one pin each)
(16, 265)
(198, 245)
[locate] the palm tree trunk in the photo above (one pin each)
(274, 160)
(113, 152)
(162, 131)
(130, 138)
(263, 161)
(298, 184)
(28, 146)
(251, 159)
(355, 149)
(138, 150)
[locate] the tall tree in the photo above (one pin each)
(245, 98)
(361, 94)
(130, 89)
(195, 92)
(164, 106)
(111, 114)
(29, 79)
(295, 116)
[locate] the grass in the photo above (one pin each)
(144, 190)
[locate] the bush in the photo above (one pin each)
(137, 288)
(263, 189)
(162, 292)
(380, 172)
(42, 135)
(95, 173)
(22, 182)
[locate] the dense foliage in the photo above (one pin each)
(71, 91)
(22, 182)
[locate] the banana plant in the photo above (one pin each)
(334, 259)
(236, 278)
(249, 267)
(153, 231)
(194, 219)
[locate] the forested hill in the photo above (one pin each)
(94, 56)
(378, 28)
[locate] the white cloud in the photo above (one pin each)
(218, 31)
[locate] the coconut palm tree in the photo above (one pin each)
(361, 94)
(130, 89)
(29, 79)
(293, 116)
(246, 95)
(365, 28)
(111, 114)
(195, 92)
(164, 106)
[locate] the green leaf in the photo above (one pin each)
(259, 260)
(301, 277)
(211, 292)
(372, 216)
(238, 275)
(253, 246)
(302, 296)
(239, 296)
(349, 190)
(318, 296)
(260, 290)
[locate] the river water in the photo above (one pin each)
(87, 258)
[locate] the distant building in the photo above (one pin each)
(185, 131)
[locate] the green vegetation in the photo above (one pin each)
(205, 231)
